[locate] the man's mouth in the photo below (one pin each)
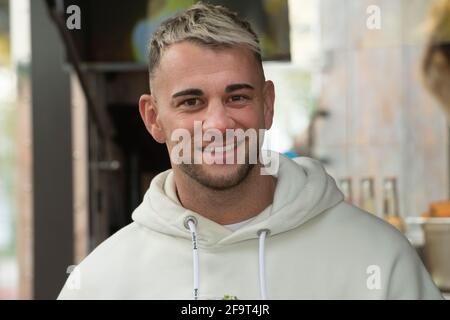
(211, 148)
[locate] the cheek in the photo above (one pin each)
(178, 127)
(252, 117)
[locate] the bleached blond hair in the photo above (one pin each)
(213, 26)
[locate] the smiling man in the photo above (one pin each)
(222, 89)
(219, 224)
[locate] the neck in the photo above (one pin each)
(233, 205)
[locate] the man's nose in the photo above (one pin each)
(217, 117)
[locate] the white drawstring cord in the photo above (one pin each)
(262, 265)
(191, 223)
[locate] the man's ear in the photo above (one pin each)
(149, 114)
(269, 101)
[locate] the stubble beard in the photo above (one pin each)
(219, 182)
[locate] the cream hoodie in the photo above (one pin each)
(309, 244)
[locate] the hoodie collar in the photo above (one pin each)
(303, 191)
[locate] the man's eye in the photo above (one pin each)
(193, 102)
(238, 98)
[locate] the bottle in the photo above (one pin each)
(367, 196)
(390, 204)
(345, 185)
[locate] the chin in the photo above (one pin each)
(218, 176)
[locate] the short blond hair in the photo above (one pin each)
(209, 25)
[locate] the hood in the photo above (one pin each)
(303, 191)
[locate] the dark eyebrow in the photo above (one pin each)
(238, 86)
(188, 92)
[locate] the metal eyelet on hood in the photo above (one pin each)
(190, 218)
(267, 231)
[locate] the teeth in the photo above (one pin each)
(227, 148)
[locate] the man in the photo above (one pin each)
(214, 226)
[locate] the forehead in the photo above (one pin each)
(185, 65)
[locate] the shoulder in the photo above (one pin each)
(94, 274)
(120, 242)
(356, 222)
(347, 227)
(366, 241)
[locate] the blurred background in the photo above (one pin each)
(363, 86)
